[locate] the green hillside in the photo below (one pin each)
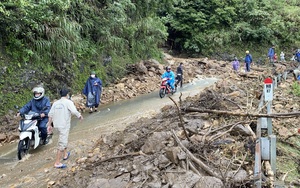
(58, 42)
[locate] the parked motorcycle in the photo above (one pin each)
(29, 133)
(165, 88)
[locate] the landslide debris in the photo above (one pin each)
(192, 149)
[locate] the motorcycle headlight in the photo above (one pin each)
(28, 116)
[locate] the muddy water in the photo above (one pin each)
(36, 169)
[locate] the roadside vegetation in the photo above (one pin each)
(59, 42)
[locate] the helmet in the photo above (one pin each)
(40, 90)
(235, 59)
(168, 68)
(247, 52)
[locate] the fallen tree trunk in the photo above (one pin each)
(248, 75)
(221, 112)
(258, 69)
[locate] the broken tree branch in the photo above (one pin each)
(216, 136)
(181, 119)
(196, 160)
(221, 112)
(233, 103)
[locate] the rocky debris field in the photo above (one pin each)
(204, 141)
(143, 77)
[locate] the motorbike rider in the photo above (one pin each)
(179, 73)
(39, 104)
(171, 77)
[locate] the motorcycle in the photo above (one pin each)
(29, 133)
(165, 88)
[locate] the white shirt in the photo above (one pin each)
(61, 112)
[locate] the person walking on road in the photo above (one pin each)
(248, 61)
(60, 114)
(92, 90)
(236, 64)
(271, 54)
(297, 56)
(179, 75)
(282, 59)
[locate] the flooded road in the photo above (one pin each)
(36, 169)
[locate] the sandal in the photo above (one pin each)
(60, 166)
(67, 156)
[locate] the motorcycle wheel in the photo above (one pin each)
(162, 93)
(175, 89)
(23, 147)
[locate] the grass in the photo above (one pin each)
(296, 89)
(286, 163)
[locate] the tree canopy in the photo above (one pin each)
(58, 42)
(206, 25)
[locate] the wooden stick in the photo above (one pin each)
(181, 120)
(221, 112)
(251, 131)
(270, 173)
(233, 103)
(216, 136)
(196, 160)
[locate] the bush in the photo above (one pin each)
(296, 89)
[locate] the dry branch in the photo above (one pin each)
(248, 75)
(216, 136)
(196, 160)
(221, 112)
(258, 69)
(181, 119)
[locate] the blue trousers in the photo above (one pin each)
(43, 128)
(247, 66)
(171, 83)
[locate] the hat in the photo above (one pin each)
(64, 92)
(93, 72)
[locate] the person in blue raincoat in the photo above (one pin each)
(169, 74)
(271, 54)
(248, 61)
(297, 56)
(39, 104)
(92, 90)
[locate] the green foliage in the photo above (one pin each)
(204, 26)
(58, 42)
(296, 89)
